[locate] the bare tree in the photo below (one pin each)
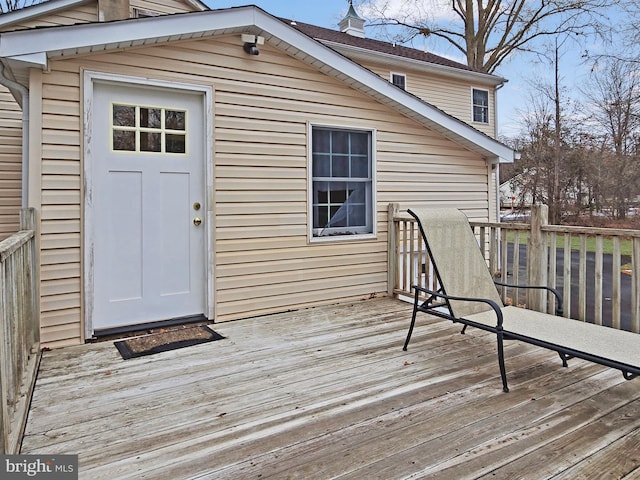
(548, 133)
(624, 42)
(614, 94)
(487, 32)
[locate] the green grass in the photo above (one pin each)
(626, 246)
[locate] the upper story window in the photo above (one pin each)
(480, 105)
(399, 80)
(342, 182)
(142, 13)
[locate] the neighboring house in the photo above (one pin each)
(176, 173)
(527, 188)
(515, 192)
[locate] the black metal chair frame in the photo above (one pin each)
(436, 300)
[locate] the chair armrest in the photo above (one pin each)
(491, 303)
(559, 307)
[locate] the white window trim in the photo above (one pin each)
(391, 74)
(473, 120)
(374, 223)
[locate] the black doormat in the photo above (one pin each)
(165, 341)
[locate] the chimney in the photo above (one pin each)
(109, 10)
(352, 24)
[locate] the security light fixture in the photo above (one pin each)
(251, 43)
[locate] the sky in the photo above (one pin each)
(512, 97)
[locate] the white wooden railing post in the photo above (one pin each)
(537, 261)
(392, 249)
(28, 222)
(4, 410)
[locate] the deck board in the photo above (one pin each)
(328, 393)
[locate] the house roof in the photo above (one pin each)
(21, 50)
(335, 36)
(391, 52)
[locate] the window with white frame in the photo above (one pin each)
(480, 105)
(341, 182)
(399, 80)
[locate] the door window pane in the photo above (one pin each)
(150, 142)
(139, 128)
(150, 117)
(124, 116)
(175, 120)
(124, 140)
(175, 143)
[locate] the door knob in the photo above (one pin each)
(197, 221)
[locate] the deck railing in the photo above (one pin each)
(19, 331)
(597, 270)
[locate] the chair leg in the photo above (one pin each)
(413, 322)
(564, 357)
(503, 370)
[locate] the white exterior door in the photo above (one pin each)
(147, 205)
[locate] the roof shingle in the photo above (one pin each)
(379, 46)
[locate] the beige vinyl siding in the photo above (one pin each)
(262, 108)
(10, 164)
(86, 13)
(60, 212)
(451, 95)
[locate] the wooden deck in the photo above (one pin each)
(329, 393)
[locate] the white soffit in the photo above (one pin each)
(64, 41)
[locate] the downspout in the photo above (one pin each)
(24, 94)
(495, 96)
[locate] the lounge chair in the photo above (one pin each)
(468, 295)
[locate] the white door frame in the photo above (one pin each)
(90, 78)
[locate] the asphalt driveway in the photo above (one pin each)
(607, 282)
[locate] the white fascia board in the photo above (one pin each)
(30, 60)
(68, 38)
(30, 44)
(44, 8)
